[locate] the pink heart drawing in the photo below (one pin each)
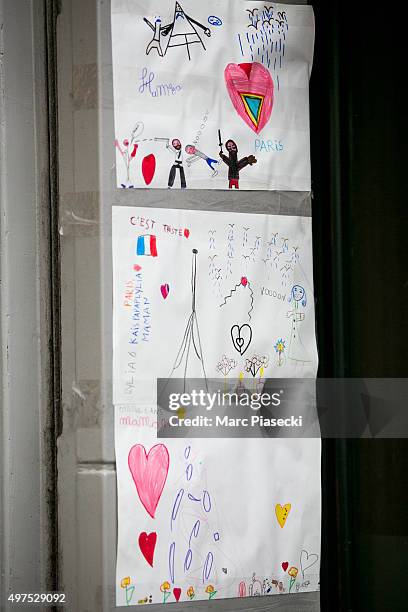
(186, 232)
(149, 472)
(250, 87)
(165, 289)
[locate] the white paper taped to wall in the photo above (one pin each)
(212, 95)
(227, 295)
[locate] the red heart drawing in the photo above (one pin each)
(285, 566)
(250, 87)
(164, 290)
(137, 268)
(149, 473)
(148, 168)
(177, 593)
(147, 544)
(186, 233)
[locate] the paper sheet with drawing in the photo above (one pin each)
(186, 529)
(212, 95)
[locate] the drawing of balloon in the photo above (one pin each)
(243, 282)
(128, 149)
(148, 168)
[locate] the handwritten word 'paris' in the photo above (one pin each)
(147, 85)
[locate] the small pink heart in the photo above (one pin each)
(285, 566)
(250, 87)
(177, 593)
(244, 281)
(165, 289)
(137, 268)
(186, 233)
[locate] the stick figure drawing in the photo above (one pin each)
(297, 351)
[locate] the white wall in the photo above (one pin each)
(26, 393)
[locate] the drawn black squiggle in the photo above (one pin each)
(234, 290)
(252, 301)
(230, 295)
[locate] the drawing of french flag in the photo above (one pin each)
(146, 245)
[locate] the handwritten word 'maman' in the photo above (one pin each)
(147, 85)
(141, 315)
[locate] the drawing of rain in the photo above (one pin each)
(245, 231)
(285, 245)
(265, 37)
(230, 249)
(270, 246)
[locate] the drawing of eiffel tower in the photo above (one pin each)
(191, 342)
(184, 31)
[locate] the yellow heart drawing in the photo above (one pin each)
(282, 513)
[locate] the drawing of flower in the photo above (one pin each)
(128, 149)
(129, 589)
(190, 592)
(226, 365)
(255, 364)
(125, 582)
(293, 572)
(211, 591)
(280, 349)
(165, 589)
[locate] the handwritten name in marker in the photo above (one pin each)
(156, 90)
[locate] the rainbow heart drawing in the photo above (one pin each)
(250, 87)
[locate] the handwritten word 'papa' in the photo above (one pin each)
(147, 85)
